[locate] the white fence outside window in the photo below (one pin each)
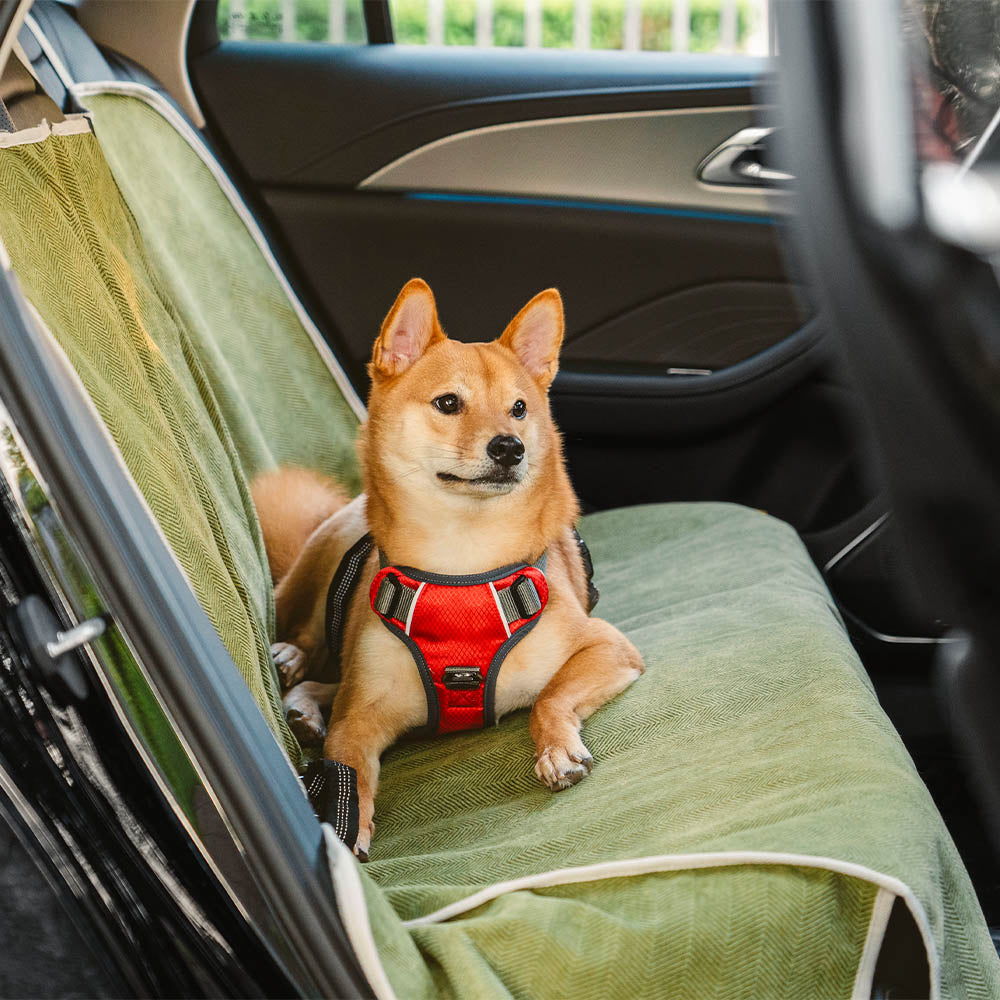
(674, 25)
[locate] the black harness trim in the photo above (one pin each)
(433, 706)
(490, 684)
(338, 599)
(332, 788)
(593, 594)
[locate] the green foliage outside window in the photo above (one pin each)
(263, 21)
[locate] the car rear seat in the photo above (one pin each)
(752, 822)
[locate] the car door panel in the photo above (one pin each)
(337, 114)
(496, 173)
(485, 257)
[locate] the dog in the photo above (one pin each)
(463, 472)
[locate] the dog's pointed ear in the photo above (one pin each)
(409, 329)
(535, 335)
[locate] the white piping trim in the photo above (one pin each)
(7, 43)
(689, 862)
(50, 53)
(881, 908)
(73, 125)
(413, 605)
(503, 617)
(161, 105)
(350, 898)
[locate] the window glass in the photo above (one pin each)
(337, 21)
(631, 25)
(656, 25)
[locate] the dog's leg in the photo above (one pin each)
(306, 706)
(356, 741)
(602, 667)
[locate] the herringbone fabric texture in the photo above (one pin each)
(754, 728)
(82, 262)
(280, 404)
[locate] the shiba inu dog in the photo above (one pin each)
(464, 481)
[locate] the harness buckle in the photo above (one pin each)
(461, 678)
(520, 599)
(394, 599)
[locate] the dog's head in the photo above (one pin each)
(455, 425)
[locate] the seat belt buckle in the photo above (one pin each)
(462, 678)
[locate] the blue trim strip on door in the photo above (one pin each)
(590, 206)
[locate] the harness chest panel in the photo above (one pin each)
(459, 630)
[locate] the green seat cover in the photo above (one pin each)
(753, 740)
(191, 353)
(755, 729)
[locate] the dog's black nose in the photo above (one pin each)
(506, 450)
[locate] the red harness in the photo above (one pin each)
(459, 630)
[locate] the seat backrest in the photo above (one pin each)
(154, 281)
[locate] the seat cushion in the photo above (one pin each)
(751, 810)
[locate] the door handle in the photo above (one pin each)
(741, 161)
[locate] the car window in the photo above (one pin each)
(732, 26)
(337, 21)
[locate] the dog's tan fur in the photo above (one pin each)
(567, 666)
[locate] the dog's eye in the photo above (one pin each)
(448, 403)
(519, 409)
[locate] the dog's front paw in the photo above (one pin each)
(560, 767)
(307, 727)
(290, 661)
(304, 711)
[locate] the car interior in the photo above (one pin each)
(207, 234)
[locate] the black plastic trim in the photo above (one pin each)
(378, 22)
(682, 405)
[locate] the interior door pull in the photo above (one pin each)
(749, 165)
(741, 162)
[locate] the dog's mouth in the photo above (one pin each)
(501, 481)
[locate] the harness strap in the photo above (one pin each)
(338, 599)
(593, 594)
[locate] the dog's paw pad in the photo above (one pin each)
(560, 767)
(290, 661)
(307, 727)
